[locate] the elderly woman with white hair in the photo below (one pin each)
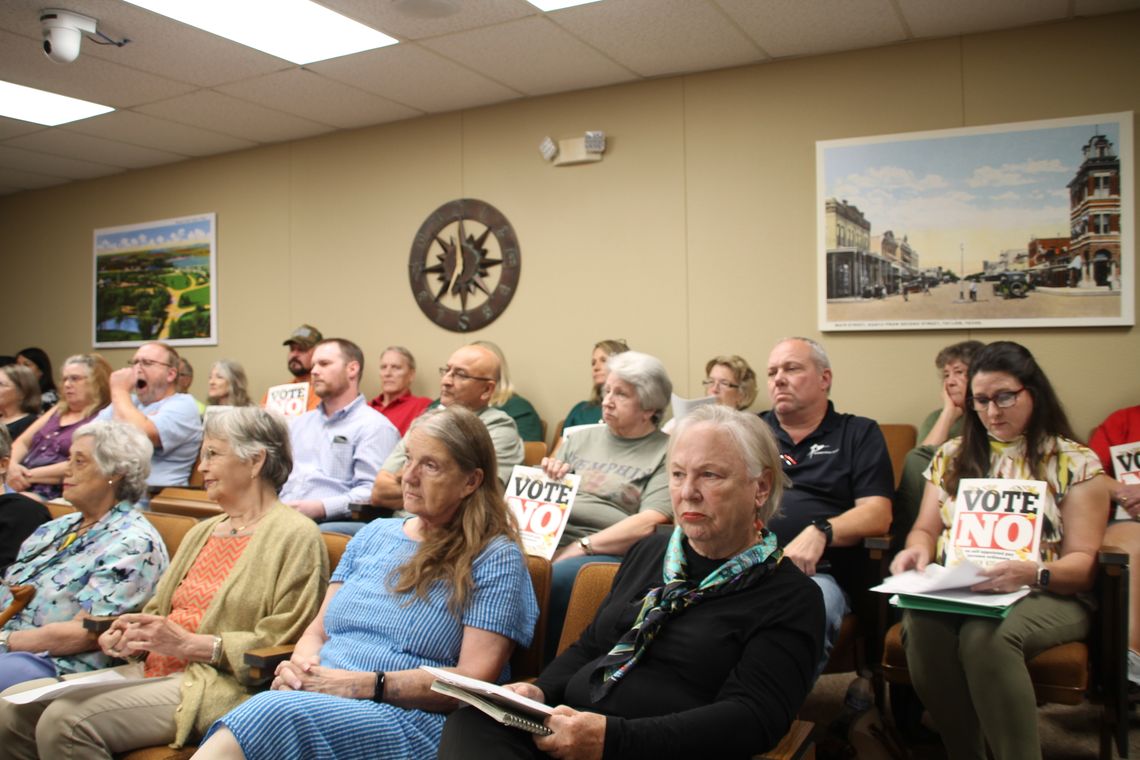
(624, 491)
(105, 559)
(707, 643)
(251, 577)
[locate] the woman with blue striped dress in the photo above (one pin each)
(447, 587)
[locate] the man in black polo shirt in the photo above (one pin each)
(840, 471)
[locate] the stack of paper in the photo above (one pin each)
(947, 589)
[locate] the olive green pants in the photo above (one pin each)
(970, 672)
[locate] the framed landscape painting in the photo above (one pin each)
(157, 281)
(1011, 225)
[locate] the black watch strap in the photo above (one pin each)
(824, 526)
(378, 694)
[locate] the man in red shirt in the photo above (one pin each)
(396, 402)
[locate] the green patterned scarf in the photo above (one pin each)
(676, 595)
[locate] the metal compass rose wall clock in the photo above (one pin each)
(464, 265)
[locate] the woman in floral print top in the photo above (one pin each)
(103, 560)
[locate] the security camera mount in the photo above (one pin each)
(54, 20)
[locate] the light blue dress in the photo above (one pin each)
(371, 629)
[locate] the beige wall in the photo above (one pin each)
(695, 235)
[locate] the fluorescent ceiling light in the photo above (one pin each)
(296, 30)
(47, 108)
(553, 5)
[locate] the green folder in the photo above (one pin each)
(942, 605)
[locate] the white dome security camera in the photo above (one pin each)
(63, 33)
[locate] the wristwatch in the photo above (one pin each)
(584, 542)
(4, 641)
(1042, 575)
(824, 526)
(378, 692)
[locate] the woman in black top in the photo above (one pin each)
(707, 643)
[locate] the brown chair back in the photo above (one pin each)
(527, 663)
(21, 595)
(58, 509)
(534, 452)
(335, 544)
(172, 528)
(184, 501)
(590, 587)
(900, 440)
(197, 479)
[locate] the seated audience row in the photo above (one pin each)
(250, 577)
(1011, 425)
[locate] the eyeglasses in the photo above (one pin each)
(73, 379)
(462, 376)
(147, 363)
(718, 384)
(1002, 400)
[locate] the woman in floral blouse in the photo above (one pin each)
(103, 560)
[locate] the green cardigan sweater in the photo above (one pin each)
(274, 590)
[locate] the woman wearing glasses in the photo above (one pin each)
(39, 456)
(731, 380)
(104, 559)
(970, 671)
(624, 492)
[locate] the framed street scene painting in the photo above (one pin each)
(1010, 225)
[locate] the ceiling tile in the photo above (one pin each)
(61, 142)
(939, 18)
(14, 127)
(158, 45)
(309, 95)
(658, 37)
(51, 166)
(533, 56)
(22, 60)
(812, 27)
(399, 18)
(416, 77)
(160, 134)
(213, 110)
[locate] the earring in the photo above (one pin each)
(110, 482)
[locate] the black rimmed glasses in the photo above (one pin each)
(1001, 399)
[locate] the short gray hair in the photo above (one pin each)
(402, 352)
(818, 355)
(250, 430)
(754, 441)
(120, 449)
(648, 377)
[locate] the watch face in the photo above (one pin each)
(464, 265)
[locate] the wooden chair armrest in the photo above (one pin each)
(98, 625)
(263, 662)
(1111, 555)
(881, 543)
(369, 512)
